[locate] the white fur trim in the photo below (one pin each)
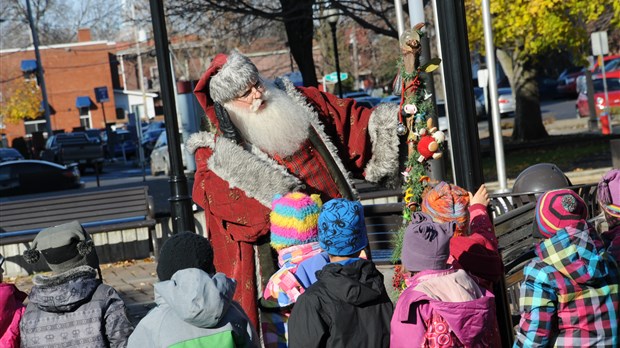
(384, 139)
(198, 140)
(233, 78)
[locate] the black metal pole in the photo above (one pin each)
(460, 94)
(35, 43)
(333, 26)
(180, 201)
(105, 122)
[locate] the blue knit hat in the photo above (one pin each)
(342, 230)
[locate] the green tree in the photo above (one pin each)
(526, 30)
(24, 102)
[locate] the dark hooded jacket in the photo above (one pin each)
(74, 309)
(347, 307)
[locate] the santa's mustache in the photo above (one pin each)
(256, 103)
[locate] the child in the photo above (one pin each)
(474, 245)
(71, 307)
(194, 303)
(348, 305)
(608, 195)
(294, 220)
(443, 307)
(569, 296)
(11, 310)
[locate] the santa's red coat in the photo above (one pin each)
(238, 218)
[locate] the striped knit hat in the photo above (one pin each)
(608, 193)
(294, 219)
(556, 210)
(448, 203)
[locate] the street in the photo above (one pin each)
(558, 109)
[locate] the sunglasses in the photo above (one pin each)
(258, 85)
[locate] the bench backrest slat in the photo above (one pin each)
(117, 204)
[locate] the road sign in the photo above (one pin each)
(483, 78)
(600, 44)
(101, 94)
(333, 77)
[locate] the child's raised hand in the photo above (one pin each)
(481, 196)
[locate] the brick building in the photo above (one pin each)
(72, 72)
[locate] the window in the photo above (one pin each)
(85, 119)
(36, 125)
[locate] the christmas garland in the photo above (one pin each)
(424, 141)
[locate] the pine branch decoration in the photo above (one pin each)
(424, 141)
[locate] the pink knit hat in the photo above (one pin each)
(556, 210)
(608, 193)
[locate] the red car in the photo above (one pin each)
(613, 92)
(611, 63)
(567, 82)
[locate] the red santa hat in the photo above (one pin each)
(227, 77)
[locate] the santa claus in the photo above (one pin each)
(274, 138)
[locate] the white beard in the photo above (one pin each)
(279, 128)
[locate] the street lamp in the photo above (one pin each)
(332, 15)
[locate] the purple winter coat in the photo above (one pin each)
(472, 322)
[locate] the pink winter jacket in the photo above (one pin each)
(11, 310)
(468, 310)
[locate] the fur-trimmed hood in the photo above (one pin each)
(66, 291)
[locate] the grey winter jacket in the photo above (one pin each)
(74, 309)
(195, 309)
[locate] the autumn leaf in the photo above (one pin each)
(23, 102)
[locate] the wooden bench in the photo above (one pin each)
(382, 224)
(119, 220)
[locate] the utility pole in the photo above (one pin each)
(498, 141)
(35, 43)
(141, 82)
(356, 75)
(180, 201)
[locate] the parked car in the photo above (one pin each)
(367, 101)
(149, 138)
(122, 142)
(153, 126)
(160, 159)
(10, 154)
(126, 145)
(391, 99)
(357, 94)
(75, 147)
(612, 62)
(613, 92)
(95, 134)
(506, 101)
(33, 176)
(567, 82)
